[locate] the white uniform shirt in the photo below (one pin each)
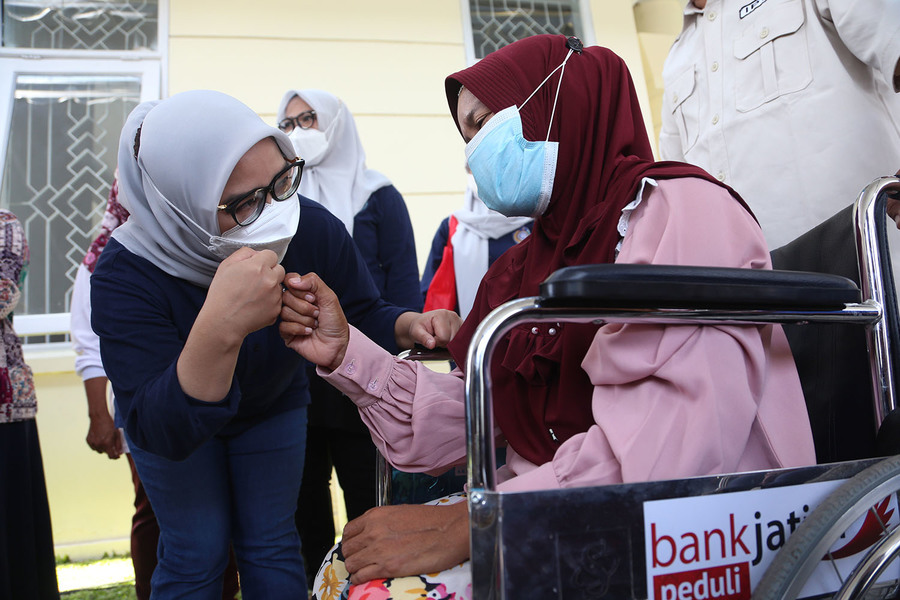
(84, 341)
(790, 102)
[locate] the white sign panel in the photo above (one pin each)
(718, 547)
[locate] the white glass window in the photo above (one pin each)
(60, 157)
(70, 73)
(90, 25)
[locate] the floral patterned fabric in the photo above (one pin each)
(17, 398)
(333, 581)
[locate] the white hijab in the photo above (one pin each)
(478, 224)
(339, 179)
(189, 145)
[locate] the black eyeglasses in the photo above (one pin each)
(247, 209)
(304, 120)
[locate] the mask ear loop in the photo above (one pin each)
(556, 98)
(562, 66)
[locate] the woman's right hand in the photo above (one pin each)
(245, 294)
(312, 321)
(104, 437)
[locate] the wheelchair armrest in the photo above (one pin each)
(420, 353)
(675, 286)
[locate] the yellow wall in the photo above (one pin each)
(90, 496)
(658, 23)
(387, 60)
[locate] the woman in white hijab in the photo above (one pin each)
(324, 133)
(464, 246)
(185, 297)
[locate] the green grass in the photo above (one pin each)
(115, 592)
(109, 578)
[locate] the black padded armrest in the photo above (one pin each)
(422, 353)
(670, 286)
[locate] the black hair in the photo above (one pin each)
(137, 140)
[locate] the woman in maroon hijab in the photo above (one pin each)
(553, 131)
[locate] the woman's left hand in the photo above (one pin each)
(408, 539)
(433, 329)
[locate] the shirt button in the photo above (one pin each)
(720, 176)
(711, 16)
(715, 67)
(373, 385)
(715, 119)
(764, 33)
(552, 331)
(351, 368)
(674, 97)
(535, 330)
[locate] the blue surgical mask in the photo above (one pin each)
(514, 175)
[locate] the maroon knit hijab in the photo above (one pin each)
(604, 152)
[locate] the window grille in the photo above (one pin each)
(60, 161)
(87, 25)
(496, 23)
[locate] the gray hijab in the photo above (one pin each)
(189, 145)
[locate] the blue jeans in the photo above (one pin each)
(240, 490)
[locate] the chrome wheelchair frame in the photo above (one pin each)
(592, 542)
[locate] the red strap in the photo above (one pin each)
(442, 291)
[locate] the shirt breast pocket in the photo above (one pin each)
(685, 105)
(772, 56)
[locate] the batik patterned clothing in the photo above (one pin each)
(27, 566)
(17, 399)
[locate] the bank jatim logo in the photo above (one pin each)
(718, 547)
(870, 530)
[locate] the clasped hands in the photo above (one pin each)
(313, 323)
(388, 541)
(251, 290)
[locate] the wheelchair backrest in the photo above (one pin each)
(832, 360)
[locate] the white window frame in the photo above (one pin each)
(10, 68)
(149, 65)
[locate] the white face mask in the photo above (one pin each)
(273, 230)
(309, 144)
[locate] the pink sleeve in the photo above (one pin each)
(680, 401)
(416, 416)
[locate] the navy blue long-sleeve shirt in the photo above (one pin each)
(383, 233)
(144, 315)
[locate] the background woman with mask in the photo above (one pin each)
(464, 246)
(324, 134)
(554, 131)
(184, 299)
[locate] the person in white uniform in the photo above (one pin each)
(793, 103)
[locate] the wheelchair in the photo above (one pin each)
(827, 530)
